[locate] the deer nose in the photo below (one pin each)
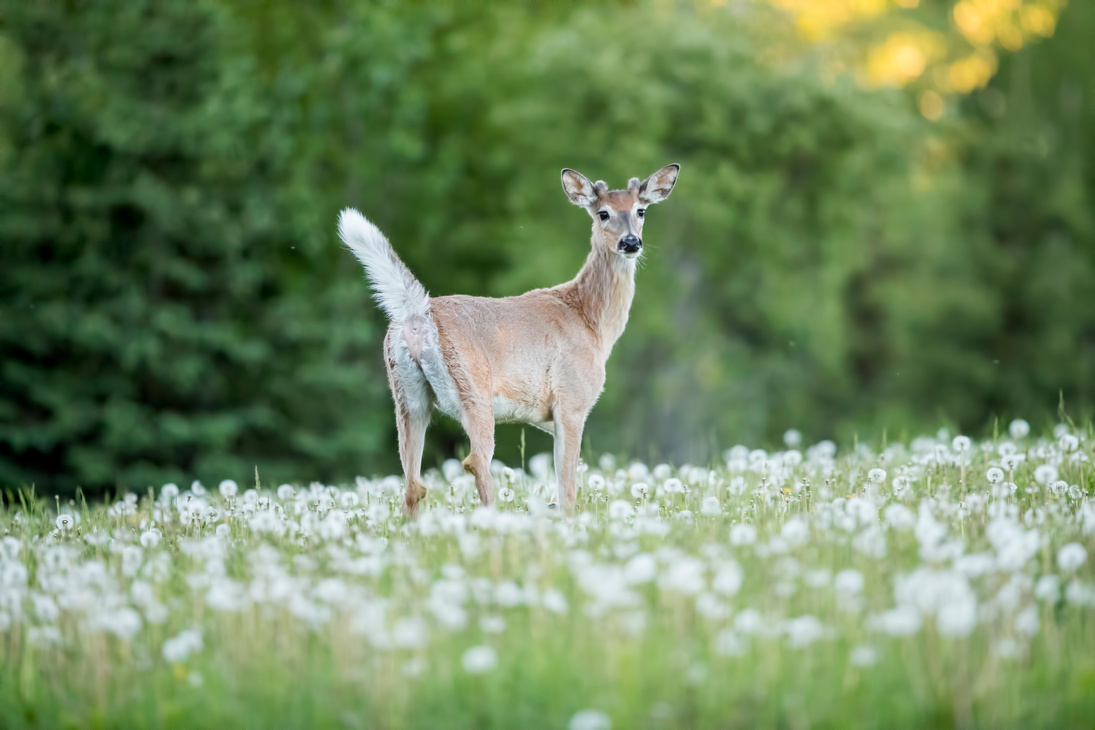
(631, 243)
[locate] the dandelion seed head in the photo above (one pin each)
(1018, 429)
(1071, 557)
(863, 656)
(589, 720)
(743, 534)
(479, 659)
(1045, 473)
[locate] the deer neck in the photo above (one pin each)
(606, 286)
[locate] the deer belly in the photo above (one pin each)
(507, 410)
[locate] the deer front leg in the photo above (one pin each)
(479, 423)
(568, 446)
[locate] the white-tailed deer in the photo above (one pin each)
(538, 358)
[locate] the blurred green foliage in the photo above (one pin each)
(175, 304)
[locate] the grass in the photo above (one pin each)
(789, 589)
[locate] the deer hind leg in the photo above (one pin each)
(479, 423)
(412, 416)
(412, 437)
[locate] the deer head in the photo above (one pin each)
(618, 215)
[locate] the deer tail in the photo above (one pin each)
(396, 290)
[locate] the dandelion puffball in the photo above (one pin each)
(589, 720)
(479, 659)
(1071, 556)
(1019, 428)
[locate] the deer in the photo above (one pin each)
(537, 358)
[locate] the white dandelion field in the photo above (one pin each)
(941, 582)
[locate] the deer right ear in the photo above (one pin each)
(578, 188)
(658, 186)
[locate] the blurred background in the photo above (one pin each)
(885, 220)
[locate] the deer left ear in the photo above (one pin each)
(579, 189)
(658, 186)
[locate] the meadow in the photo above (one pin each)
(938, 582)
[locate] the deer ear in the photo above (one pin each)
(658, 186)
(578, 188)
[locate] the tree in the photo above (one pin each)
(162, 317)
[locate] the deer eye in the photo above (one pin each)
(641, 212)
(604, 215)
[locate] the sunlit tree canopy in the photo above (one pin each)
(937, 48)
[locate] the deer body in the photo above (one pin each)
(538, 358)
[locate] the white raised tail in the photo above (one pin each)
(400, 294)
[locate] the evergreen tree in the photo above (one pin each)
(162, 318)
